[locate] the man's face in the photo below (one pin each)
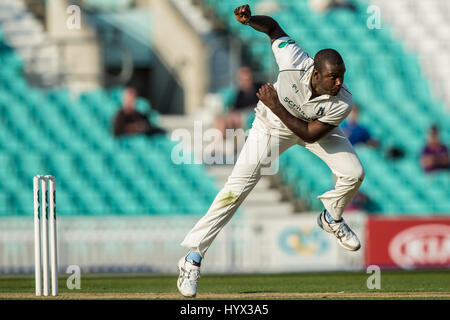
(330, 80)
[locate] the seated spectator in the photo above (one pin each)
(395, 152)
(355, 132)
(245, 101)
(434, 156)
(129, 121)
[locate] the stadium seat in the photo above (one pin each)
(382, 75)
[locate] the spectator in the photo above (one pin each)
(434, 155)
(355, 132)
(245, 101)
(129, 121)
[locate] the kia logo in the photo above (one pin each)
(427, 244)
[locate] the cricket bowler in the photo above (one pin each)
(303, 108)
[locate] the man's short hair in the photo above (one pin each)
(329, 56)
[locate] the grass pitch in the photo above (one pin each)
(432, 284)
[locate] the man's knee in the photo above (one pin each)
(355, 176)
(358, 174)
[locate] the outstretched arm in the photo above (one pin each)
(263, 24)
(308, 131)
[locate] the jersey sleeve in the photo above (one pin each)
(336, 114)
(287, 53)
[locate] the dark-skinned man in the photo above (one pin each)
(303, 108)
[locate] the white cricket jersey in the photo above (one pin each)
(294, 89)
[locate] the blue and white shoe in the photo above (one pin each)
(344, 235)
(188, 278)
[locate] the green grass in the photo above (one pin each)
(348, 282)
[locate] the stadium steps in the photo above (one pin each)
(193, 15)
(222, 172)
(25, 33)
(263, 200)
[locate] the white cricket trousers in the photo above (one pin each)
(264, 143)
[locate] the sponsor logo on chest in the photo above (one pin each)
(295, 108)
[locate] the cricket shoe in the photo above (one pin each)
(344, 235)
(188, 278)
